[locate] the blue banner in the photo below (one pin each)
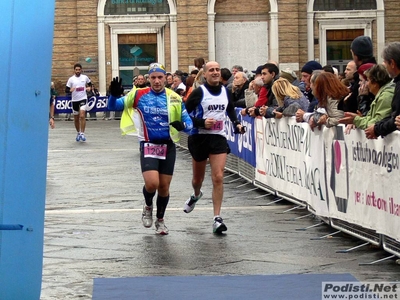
(63, 105)
(242, 145)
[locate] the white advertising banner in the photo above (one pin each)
(290, 158)
(362, 177)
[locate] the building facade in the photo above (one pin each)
(121, 37)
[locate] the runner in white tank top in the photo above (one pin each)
(208, 106)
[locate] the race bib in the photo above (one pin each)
(80, 89)
(219, 125)
(158, 151)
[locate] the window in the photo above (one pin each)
(144, 55)
(128, 7)
(331, 5)
(338, 43)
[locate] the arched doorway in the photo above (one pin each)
(135, 33)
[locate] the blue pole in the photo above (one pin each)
(26, 57)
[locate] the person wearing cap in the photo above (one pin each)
(159, 114)
(391, 61)
(257, 72)
(362, 52)
(306, 71)
(365, 96)
(208, 106)
(291, 76)
(262, 95)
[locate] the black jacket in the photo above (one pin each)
(355, 102)
(238, 96)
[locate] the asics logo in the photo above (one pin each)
(91, 103)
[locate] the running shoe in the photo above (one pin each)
(160, 227)
(83, 138)
(147, 216)
(191, 202)
(78, 137)
(219, 226)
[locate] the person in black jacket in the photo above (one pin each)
(306, 72)
(391, 60)
(239, 85)
(362, 52)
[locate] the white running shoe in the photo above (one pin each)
(78, 137)
(83, 138)
(191, 202)
(147, 216)
(160, 227)
(219, 226)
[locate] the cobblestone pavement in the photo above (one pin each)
(93, 224)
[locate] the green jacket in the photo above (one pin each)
(130, 121)
(380, 108)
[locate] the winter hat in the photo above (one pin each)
(361, 69)
(362, 46)
(311, 66)
(288, 74)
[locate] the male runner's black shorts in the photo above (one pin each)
(163, 166)
(202, 145)
(76, 106)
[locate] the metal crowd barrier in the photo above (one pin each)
(246, 171)
(358, 231)
(232, 164)
(391, 245)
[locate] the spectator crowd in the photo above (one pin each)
(365, 96)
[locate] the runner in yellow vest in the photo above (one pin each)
(157, 114)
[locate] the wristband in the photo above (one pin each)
(52, 117)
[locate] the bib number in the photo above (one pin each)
(218, 125)
(158, 151)
(80, 89)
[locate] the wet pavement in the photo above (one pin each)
(93, 224)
